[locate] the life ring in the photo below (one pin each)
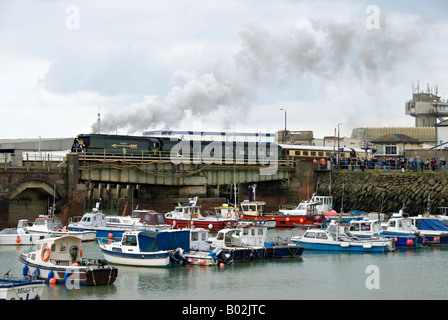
(237, 213)
(229, 214)
(45, 254)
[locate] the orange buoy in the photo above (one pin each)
(52, 281)
(409, 243)
(111, 235)
(18, 240)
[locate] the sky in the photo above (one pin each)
(215, 65)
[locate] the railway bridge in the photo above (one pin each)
(81, 179)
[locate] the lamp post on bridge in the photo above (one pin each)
(284, 134)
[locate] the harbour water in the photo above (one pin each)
(405, 274)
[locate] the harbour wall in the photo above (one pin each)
(388, 192)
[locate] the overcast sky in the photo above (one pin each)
(215, 65)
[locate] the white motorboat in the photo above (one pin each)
(337, 238)
(249, 241)
(51, 225)
(19, 235)
(201, 252)
(95, 221)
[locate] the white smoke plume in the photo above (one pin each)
(196, 94)
(326, 50)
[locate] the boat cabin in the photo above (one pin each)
(365, 227)
(185, 211)
(253, 208)
(316, 234)
(399, 224)
(62, 251)
(89, 220)
(122, 221)
(254, 235)
(134, 241)
(46, 223)
(150, 217)
(199, 239)
(228, 212)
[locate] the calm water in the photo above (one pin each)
(406, 274)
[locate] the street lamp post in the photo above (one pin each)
(284, 134)
(436, 133)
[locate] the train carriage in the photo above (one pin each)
(311, 153)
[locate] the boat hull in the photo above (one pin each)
(103, 233)
(21, 289)
(344, 247)
(70, 275)
(19, 239)
(152, 259)
(405, 241)
(285, 221)
(214, 225)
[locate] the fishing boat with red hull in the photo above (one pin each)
(189, 215)
(253, 210)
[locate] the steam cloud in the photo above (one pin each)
(197, 94)
(326, 50)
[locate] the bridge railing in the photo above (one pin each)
(193, 158)
(30, 160)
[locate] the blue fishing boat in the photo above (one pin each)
(150, 248)
(403, 231)
(434, 230)
(338, 238)
(368, 228)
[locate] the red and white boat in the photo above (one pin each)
(307, 214)
(189, 215)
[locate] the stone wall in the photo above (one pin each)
(373, 190)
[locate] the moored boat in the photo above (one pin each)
(189, 214)
(51, 225)
(21, 288)
(150, 248)
(249, 241)
(151, 218)
(61, 259)
(201, 252)
(19, 235)
(368, 228)
(337, 238)
(305, 215)
(95, 221)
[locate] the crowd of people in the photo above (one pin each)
(384, 164)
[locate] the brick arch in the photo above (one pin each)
(36, 181)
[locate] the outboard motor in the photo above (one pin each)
(221, 256)
(176, 256)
